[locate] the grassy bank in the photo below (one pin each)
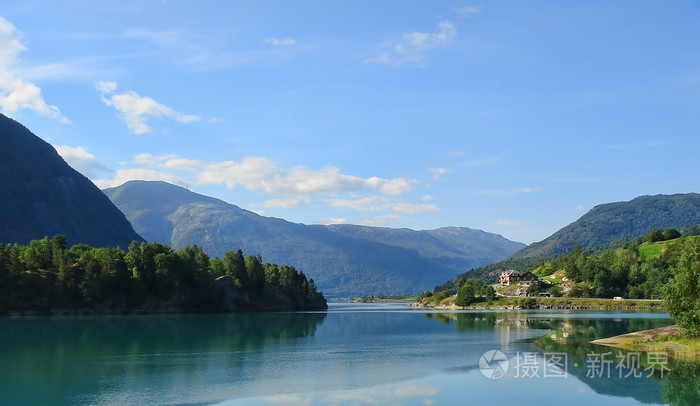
(670, 340)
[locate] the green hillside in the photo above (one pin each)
(637, 270)
(613, 221)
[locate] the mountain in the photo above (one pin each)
(41, 195)
(604, 227)
(343, 260)
(606, 223)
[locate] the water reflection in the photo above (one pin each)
(354, 354)
(618, 373)
(47, 360)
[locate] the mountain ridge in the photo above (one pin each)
(344, 260)
(608, 222)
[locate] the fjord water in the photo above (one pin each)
(353, 354)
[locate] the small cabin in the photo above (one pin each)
(508, 277)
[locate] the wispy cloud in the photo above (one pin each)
(81, 160)
(136, 110)
(511, 223)
(412, 208)
(483, 161)
(124, 175)
(438, 172)
(409, 49)
(469, 12)
(383, 220)
(371, 203)
(528, 190)
(277, 42)
(169, 161)
(207, 51)
(284, 202)
(15, 93)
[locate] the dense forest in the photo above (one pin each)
(47, 276)
(638, 271)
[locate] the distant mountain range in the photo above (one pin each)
(41, 195)
(606, 223)
(344, 260)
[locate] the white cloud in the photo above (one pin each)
(581, 207)
(283, 202)
(424, 40)
(426, 198)
(511, 223)
(408, 49)
(364, 204)
(468, 12)
(135, 110)
(438, 172)
(262, 175)
(528, 190)
(169, 161)
(277, 42)
(81, 160)
(287, 188)
(125, 175)
(17, 94)
(103, 86)
(382, 220)
(412, 208)
(336, 221)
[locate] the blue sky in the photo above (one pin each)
(513, 117)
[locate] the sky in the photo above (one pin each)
(514, 117)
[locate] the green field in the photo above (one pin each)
(652, 250)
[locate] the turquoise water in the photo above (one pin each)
(355, 354)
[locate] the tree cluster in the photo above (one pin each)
(472, 291)
(621, 272)
(47, 275)
(682, 293)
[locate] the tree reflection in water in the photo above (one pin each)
(571, 334)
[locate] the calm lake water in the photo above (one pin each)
(355, 354)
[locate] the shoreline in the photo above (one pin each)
(548, 304)
(669, 340)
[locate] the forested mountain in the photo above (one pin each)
(344, 260)
(41, 195)
(606, 223)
